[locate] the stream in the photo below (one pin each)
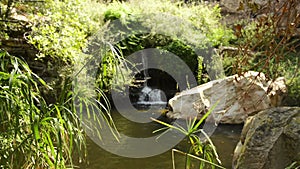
(225, 139)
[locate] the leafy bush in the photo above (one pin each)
(60, 28)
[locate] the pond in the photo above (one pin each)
(225, 139)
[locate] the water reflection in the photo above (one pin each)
(225, 139)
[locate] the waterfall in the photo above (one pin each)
(149, 96)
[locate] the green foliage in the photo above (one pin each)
(185, 52)
(289, 68)
(57, 30)
(35, 134)
(32, 133)
(60, 28)
(204, 29)
(294, 165)
(114, 70)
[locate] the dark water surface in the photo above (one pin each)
(225, 139)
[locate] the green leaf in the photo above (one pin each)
(36, 128)
(206, 115)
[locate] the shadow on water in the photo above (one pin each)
(225, 139)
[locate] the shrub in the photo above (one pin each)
(60, 28)
(269, 44)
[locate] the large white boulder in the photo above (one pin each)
(238, 96)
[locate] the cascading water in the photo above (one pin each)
(150, 96)
(147, 95)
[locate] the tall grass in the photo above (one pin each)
(34, 134)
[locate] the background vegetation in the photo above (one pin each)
(42, 43)
(203, 17)
(269, 43)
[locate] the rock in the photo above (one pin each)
(235, 11)
(239, 97)
(270, 139)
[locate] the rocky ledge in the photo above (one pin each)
(238, 97)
